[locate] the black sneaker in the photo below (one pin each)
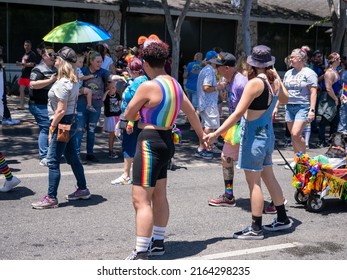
(134, 256)
(156, 248)
(276, 225)
(249, 234)
(92, 158)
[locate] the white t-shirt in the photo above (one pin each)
(66, 90)
(106, 63)
(298, 85)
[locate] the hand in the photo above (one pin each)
(310, 116)
(50, 134)
(209, 139)
(53, 78)
(129, 129)
(19, 63)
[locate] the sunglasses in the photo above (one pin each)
(52, 55)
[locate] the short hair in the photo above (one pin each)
(27, 42)
(155, 53)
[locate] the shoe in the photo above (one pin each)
(79, 194)
(122, 181)
(276, 225)
(203, 154)
(322, 145)
(156, 248)
(292, 165)
(249, 234)
(10, 184)
(222, 200)
(91, 109)
(134, 256)
(10, 121)
(43, 162)
(271, 208)
(92, 158)
(45, 203)
(112, 155)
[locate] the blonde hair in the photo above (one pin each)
(67, 70)
(92, 55)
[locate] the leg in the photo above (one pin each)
(160, 204)
(92, 120)
(298, 141)
(111, 137)
(11, 181)
(81, 119)
(21, 96)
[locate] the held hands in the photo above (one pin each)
(209, 139)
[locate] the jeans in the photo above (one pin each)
(55, 151)
(40, 112)
(342, 127)
(86, 121)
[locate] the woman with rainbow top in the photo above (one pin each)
(158, 101)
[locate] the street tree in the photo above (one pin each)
(338, 19)
(175, 33)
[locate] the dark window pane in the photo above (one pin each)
(275, 36)
(218, 33)
(190, 38)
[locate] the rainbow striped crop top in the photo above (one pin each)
(165, 113)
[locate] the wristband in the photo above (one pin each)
(52, 128)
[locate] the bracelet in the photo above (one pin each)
(52, 128)
(130, 124)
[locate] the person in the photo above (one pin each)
(62, 98)
(86, 91)
(332, 86)
(129, 134)
(42, 77)
(120, 63)
(11, 181)
(28, 62)
(342, 126)
(107, 61)
(301, 84)
(87, 120)
(159, 102)
(207, 91)
(191, 73)
(235, 84)
(7, 118)
(112, 110)
(255, 107)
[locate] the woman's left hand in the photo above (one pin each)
(210, 138)
(310, 116)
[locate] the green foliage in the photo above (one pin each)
(12, 85)
(324, 20)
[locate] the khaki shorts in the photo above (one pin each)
(210, 117)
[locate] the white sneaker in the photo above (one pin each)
(43, 162)
(292, 165)
(10, 122)
(10, 184)
(121, 181)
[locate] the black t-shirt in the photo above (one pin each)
(27, 58)
(41, 72)
(111, 105)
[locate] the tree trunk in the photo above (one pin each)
(123, 9)
(175, 34)
(338, 25)
(246, 13)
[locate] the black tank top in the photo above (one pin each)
(262, 101)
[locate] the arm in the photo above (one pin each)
(58, 115)
(252, 90)
(193, 118)
(87, 77)
(329, 78)
(43, 83)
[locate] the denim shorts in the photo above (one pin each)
(297, 112)
(256, 149)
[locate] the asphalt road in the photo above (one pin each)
(102, 228)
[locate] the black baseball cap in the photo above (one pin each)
(225, 59)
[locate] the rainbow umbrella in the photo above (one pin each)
(76, 32)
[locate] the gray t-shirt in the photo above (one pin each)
(66, 90)
(298, 85)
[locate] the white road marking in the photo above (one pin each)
(247, 251)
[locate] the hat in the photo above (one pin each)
(316, 52)
(67, 54)
(106, 46)
(210, 55)
(134, 50)
(261, 57)
(153, 37)
(224, 58)
(141, 40)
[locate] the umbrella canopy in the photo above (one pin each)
(76, 32)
